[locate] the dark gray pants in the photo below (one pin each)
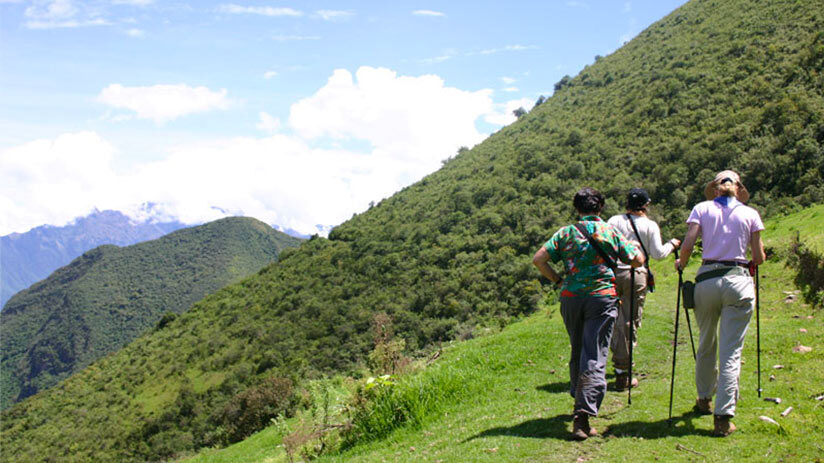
(589, 322)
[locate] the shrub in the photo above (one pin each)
(810, 277)
(252, 409)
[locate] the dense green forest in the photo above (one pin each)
(716, 84)
(110, 295)
(26, 258)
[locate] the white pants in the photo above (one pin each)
(729, 299)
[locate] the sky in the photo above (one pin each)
(299, 114)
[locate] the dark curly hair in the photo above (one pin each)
(588, 201)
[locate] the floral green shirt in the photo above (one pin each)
(586, 272)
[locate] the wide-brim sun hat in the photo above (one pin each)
(741, 194)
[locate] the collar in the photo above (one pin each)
(726, 201)
(591, 218)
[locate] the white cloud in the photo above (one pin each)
(270, 74)
(491, 51)
(404, 118)
(268, 123)
(55, 14)
(437, 59)
(259, 10)
(133, 2)
(428, 13)
(292, 38)
(163, 103)
(511, 89)
(68, 24)
(386, 131)
(135, 32)
(508, 80)
(53, 181)
(334, 15)
(503, 114)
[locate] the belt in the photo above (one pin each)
(728, 263)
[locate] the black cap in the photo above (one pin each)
(637, 199)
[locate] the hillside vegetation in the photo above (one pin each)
(714, 85)
(503, 397)
(26, 258)
(110, 295)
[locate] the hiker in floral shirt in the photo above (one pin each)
(589, 302)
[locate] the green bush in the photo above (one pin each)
(810, 276)
(253, 409)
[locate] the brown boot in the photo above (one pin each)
(723, 426)
(622, 382)
(581, 429)
(703, 406)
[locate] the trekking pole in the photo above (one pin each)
(689, 327)
(631, 329)
(675, 343)
(758, 330)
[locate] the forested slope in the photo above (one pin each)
(110, 295)
(26, 258)
(716, 84)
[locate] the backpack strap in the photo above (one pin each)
(583, 229)
(650, 276)
(638, 235)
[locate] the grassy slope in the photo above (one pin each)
(514, 406)
(716, 84)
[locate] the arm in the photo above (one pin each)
(686, 248)
(757, 246)
(541, 260)
(657, 250)
(637, 261)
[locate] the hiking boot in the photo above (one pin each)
(703, 406)
(723, 426)
(622, 382)
(581, 429)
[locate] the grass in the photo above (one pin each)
(511, 401)
(806, 223)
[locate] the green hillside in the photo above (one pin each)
(110, 295)
(733, 84)
(503, 396)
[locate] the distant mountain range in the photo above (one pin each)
(26, 258)
(110, 295)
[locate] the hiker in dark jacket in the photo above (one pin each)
(724, 291)
(645, 234)
(589, 303)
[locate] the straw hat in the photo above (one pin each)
(742, 194)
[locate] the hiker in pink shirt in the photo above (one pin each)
(724, 291)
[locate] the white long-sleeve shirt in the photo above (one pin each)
(650, 235)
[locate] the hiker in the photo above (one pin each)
(723, 291)
(637, 228)
(589, 303)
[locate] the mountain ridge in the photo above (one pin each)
(29, 257)
(109, 295)
(714, 85)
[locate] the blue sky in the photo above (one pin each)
(298, 114)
